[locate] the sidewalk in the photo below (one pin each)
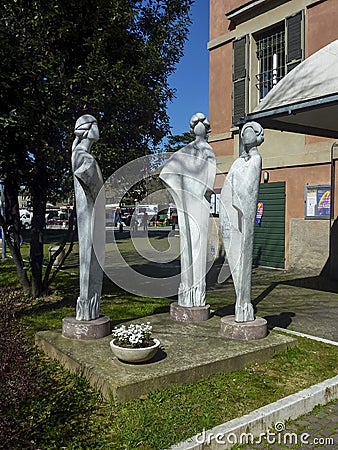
(315, 430)
(306, 304)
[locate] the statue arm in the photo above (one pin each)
(84, 167)
(235, 200)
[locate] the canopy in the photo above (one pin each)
(306, 99)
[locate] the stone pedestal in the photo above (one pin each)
(189, 314)
(244, 331)
(86, 329)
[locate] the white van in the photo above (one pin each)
(25, 218)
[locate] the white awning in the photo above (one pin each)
(306, 99)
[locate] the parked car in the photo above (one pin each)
(56, 217)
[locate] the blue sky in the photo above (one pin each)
(191, 78)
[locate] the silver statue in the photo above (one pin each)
(90, 210)
(238, 205)
(188, 174)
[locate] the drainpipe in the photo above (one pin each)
(332, 264)
(333, 182)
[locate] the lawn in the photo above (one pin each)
(65, 412)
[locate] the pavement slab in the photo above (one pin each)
(189, 352)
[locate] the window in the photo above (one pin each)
(271, 60)
(278, 50)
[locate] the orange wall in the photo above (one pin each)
(296, 178)
(223, 148)
(218, 22)
(321, 29)
(321, 25)
(220, 89)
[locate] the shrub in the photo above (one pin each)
(18, 381)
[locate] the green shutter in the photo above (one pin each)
(269, 242)
(294, 40)
(239, 78)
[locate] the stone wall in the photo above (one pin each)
(308, 244)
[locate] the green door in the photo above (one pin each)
(269, 243)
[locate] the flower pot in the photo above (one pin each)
(135, 355)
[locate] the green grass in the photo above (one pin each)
(165, 417)
(70, 414)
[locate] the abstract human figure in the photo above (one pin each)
(88, 182)
(188, 174)
(238, 205)
(145, 221)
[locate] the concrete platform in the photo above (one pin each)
(189, 352)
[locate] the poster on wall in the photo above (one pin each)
(317, 201)
(214, 203)
(259, 212)
(323, 202)
(311, 202)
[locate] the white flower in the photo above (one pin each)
(135, 335)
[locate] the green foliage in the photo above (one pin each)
(177, 141)
(61, 59)
(18, 383)
(111, 59)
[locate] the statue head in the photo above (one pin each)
(199, 125)
(86, 128)
(252, 135)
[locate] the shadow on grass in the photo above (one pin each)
(7, 279)
(125, 235)
(49, 235)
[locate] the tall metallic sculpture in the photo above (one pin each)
(238, 205)
(88, 184)
(188, 174)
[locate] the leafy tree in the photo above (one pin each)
(177, 141)
(64, 58)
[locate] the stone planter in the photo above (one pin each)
(135, 355)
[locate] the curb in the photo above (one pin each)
(307, 336)
(261, 420)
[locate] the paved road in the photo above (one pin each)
(308, 304)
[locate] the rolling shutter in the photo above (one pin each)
(294, 40)
(269, 241)
(239, 78)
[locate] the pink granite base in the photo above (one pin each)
(244, 331)
(189, 313)
(86, 329)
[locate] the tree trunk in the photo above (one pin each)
(39, 200)
(11, 225)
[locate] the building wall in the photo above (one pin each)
(322, 19)
(296, 178)
(296, 159)
(309, 244)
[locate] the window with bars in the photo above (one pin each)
(279, 50)
(271, 61)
